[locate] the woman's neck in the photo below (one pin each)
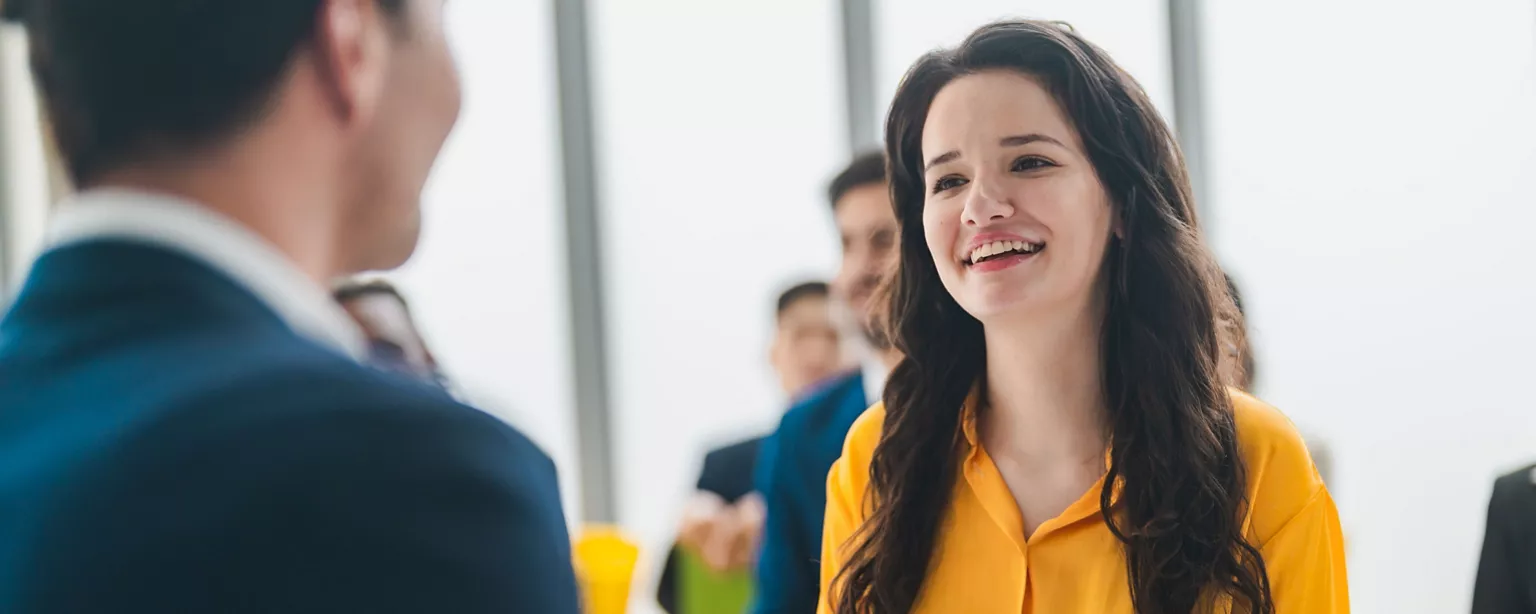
(1044, 396)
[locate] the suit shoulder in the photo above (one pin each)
(325, 402)
(729, 471)
(1516, 485)
(822, 406)
(1519, 478)
(380, 483)
(734, 453)
(1282, 478)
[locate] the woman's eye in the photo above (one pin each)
(1029, 163)
(947, 183)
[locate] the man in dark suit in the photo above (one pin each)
(186, 425)
(1506, 574)
(793, 465)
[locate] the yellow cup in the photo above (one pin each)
(605, 565)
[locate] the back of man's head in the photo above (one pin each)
(367, 85)
(127, 79)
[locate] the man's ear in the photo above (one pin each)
(774, 348)
(351, 53)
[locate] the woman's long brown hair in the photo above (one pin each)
(1166, 342)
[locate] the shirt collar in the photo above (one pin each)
(981, 473)
(968, 416)
(874, 372)
(218, 241)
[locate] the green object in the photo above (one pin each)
(701, 590)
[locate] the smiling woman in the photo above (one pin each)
(1063, 424)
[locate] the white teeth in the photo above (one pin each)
(998, 247)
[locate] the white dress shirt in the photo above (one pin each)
(874, 372)
(221, 243)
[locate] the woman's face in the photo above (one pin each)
(1015, 217)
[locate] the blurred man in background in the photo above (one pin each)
(793, 464)
(807, 349)
(187, 427)
(1506, 573)
(723, 520)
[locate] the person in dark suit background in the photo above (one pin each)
(1506, 572)
(794, 461)
(723, 520)
(187, 427)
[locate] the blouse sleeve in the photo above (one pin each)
(1305, 560)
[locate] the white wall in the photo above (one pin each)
(720, 124)
(487, 285)
(1134, 32)
(1372, 165)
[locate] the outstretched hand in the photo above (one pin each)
(724, 535)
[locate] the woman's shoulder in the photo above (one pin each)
(864, 435)
(851, 472)
(1282, 479)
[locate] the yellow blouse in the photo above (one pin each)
(1073, 564)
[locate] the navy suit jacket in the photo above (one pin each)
(792, 476)
(168, 444)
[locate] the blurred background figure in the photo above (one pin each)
(807, 347)
(1506, 572)
(722, 522)
(394, 342)
(793, 465)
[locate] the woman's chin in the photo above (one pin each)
(997, 308)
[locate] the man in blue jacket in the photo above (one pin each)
(186, 426)
(794, 461)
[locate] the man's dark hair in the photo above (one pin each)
(125, 80)
(866, 169)
(809, 289)
(353, 290)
